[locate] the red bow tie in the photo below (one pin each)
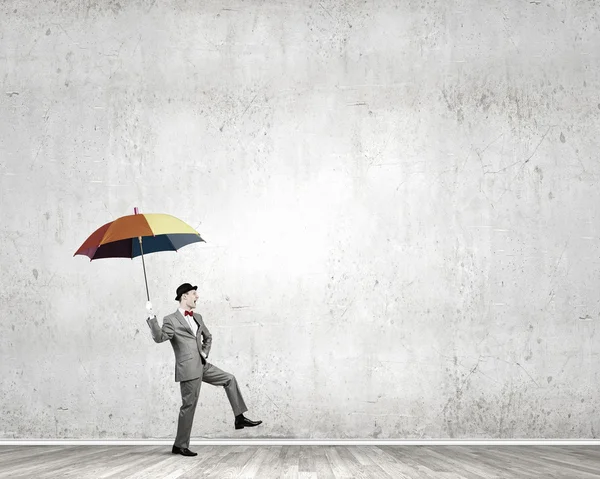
(188, 313)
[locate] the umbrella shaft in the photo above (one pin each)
(144, 266)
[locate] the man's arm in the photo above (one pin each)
(206, 339)
(159, 334)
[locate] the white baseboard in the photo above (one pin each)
(303, 442)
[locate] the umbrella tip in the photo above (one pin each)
(135, 210)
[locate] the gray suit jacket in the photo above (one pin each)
(186, 346)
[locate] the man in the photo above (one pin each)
(191, 343)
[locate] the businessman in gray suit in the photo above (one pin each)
(191, 341)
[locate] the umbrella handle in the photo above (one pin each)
(144, 265)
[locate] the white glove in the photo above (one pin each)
(149, 309)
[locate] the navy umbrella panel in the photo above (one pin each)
(130, 248)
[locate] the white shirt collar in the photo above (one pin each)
(191, 322)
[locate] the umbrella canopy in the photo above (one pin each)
(134, 235)
(120, 238)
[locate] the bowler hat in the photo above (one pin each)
(184, 288)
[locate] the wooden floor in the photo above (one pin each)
(263, 462)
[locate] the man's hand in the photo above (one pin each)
(149, 309)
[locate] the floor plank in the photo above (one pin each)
(301, 462)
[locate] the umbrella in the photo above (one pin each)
(136, 235)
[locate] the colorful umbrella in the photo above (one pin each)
(134, 235)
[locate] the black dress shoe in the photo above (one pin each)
(241, 422)
(184, 451)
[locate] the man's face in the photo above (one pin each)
(190, 298)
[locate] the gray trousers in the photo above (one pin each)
(190, 391)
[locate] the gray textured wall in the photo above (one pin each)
(400, 202)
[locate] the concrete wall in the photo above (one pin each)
(399, 198)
